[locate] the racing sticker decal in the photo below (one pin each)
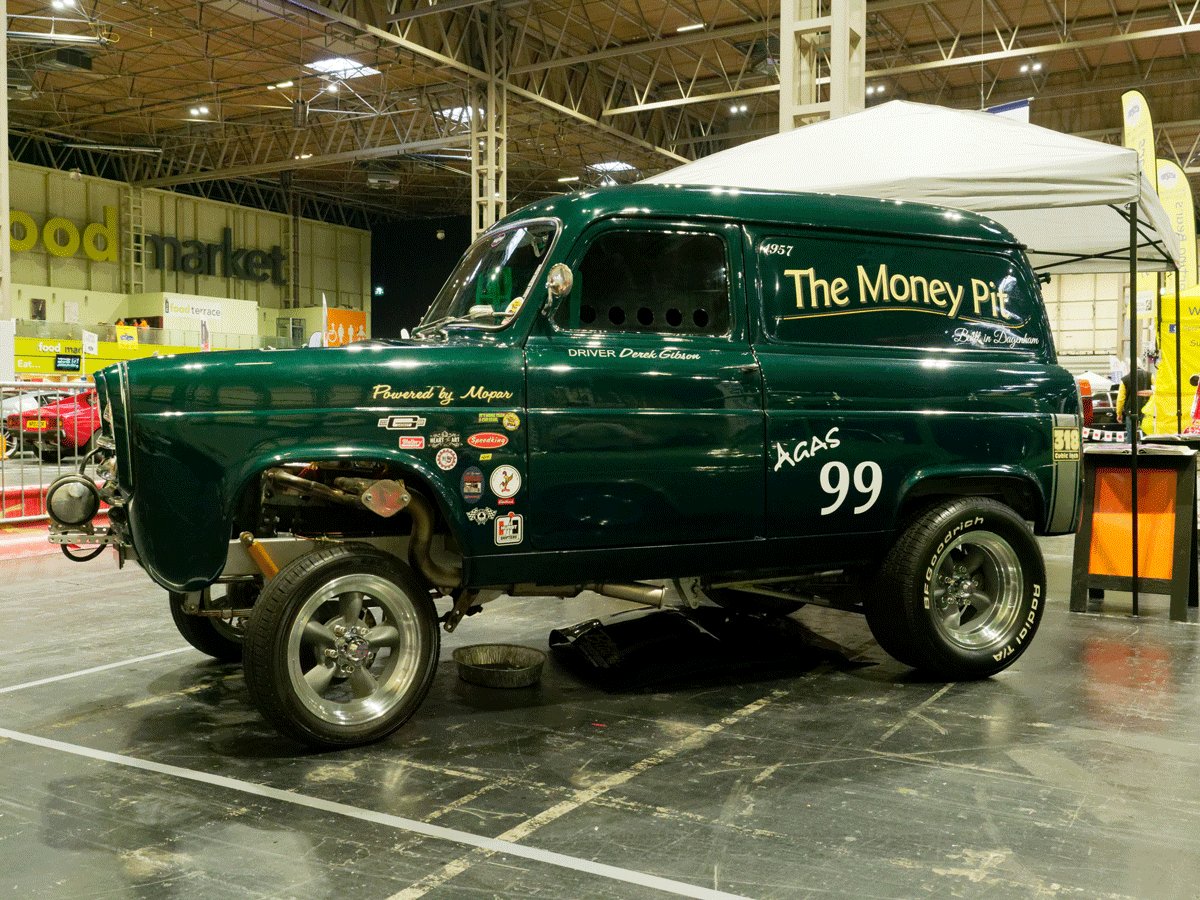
(1066, 444)
(446, 459)
(484, 457)
(412, 442)
(510, 529)
(802, 450)
(487, 440)
(505, 482)
(401, 423)
(510, 421)
(482, 515)
(443, 395)
(445, 439)
(472, 484)
(885, 289)
(630, 353)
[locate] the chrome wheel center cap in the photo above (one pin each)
(357, 650)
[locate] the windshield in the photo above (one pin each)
(490, 282)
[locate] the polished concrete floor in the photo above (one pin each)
(145, 773)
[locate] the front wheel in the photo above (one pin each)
(216, 637)
(341, 647)
(961, 593)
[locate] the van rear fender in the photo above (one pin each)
(1014, 486)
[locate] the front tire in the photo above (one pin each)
(214, 637)
(342, 647)
(961, 592)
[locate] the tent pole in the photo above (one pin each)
(1178, 364)
(1132, 401)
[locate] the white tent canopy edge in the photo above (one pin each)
(1065, 197)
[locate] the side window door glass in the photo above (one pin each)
(654, 282)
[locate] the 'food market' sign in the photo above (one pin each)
(200, 258)
(100, 242)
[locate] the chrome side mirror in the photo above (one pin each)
(558, 285)
(560, 279)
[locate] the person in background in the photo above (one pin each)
(1131, 398)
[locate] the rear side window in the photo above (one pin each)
(834, 291)
(669, 282)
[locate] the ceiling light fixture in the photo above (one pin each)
(280, 85)
(198, 111)
(341, 68)
(303, 156)
(54, 37)
(611, 166)
(696, 26)
(567, 179)
(123, 148)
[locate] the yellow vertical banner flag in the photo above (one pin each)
(1160, 410)
(1137, 133)
(1176, 196)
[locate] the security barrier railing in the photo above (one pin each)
(46, 430)
(153, 337)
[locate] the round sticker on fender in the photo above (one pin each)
(505, 481)
(487, 440)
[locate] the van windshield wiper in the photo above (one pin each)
(437, 324)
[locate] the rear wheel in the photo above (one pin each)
(342, 647)
(8, 443)
(961, 593)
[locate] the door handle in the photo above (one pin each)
(748, 369)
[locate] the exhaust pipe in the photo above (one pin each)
(633, 592)
(419, 544)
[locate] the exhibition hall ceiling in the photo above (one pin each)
(367, 106)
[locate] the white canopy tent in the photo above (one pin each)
(1066, 198)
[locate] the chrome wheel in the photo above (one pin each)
(961, 592)
(977, 591)
(354, 666)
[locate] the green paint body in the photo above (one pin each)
(793, 442)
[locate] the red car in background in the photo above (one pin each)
(64, 428)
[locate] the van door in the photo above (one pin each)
(645, 399)
(889, 362)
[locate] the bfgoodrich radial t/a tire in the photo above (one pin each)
(961, 593)
(341, 647)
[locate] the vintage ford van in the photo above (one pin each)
(754, 399)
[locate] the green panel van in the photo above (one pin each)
(759, 400)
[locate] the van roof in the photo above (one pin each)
(770, 207)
